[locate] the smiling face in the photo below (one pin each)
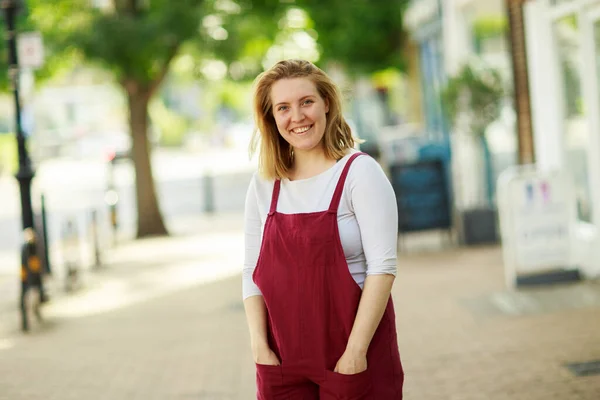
(300, 113)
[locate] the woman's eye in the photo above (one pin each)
(308, 102)
(282, 108)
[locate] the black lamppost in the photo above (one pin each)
(25, 173)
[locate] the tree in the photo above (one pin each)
(514, 9)
(476, 94)
(136, 40)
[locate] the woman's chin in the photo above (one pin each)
(308, 147)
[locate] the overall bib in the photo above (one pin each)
(311, 301)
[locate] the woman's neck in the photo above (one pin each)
(309, 164)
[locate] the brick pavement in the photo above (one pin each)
(458, 339)
(452, 352)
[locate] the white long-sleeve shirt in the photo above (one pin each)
(367, 216)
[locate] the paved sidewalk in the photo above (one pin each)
(134, 271)
(165, 321)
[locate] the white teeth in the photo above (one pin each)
(301, 130)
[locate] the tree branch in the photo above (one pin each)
(131, 7)
(165, 69)
(134, 7)
(130, 86)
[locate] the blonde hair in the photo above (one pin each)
(276, 155)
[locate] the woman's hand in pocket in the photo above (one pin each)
(263, 355)
(351, 363)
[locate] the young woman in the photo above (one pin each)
(321, 237)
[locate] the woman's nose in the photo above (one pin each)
(297, 114)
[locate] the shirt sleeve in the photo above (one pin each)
(252, 241)
(374, 202)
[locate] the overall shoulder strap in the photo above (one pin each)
(337, 195)
(275, 196)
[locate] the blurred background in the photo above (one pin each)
(136, 115)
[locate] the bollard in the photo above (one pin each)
(95, 241)
(46, 243)
(111, 198)
(71, 249)
(208, 190)
(114, 219)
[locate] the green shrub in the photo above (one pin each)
(478, 91)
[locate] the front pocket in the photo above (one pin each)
(268, 369)
(268, 377)
(349, 387)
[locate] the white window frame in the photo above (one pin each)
(586, 12)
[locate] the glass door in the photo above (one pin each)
(590, 36)
(568, 34)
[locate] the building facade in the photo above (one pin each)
(563, 61)
(424, 21)
(448, 34)
(563, 46)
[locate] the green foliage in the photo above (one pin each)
(140, 45)
(490, 26)
(235, 96)
(363, 35)
(134, 43)
(251, 31)
(171, 125)
(565, 29)
(479, 92)
(137, 40)
(573, 96)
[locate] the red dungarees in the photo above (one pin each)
(312, 301)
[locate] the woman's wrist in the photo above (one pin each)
(259, 345)
(356, 348)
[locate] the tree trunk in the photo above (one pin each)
(514, 10)
(150, 221)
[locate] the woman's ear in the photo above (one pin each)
(326, 106)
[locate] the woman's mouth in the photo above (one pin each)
(301, 130)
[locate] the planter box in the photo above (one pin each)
(479, 226)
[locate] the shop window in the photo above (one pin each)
(432, 67)
(575, 127)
